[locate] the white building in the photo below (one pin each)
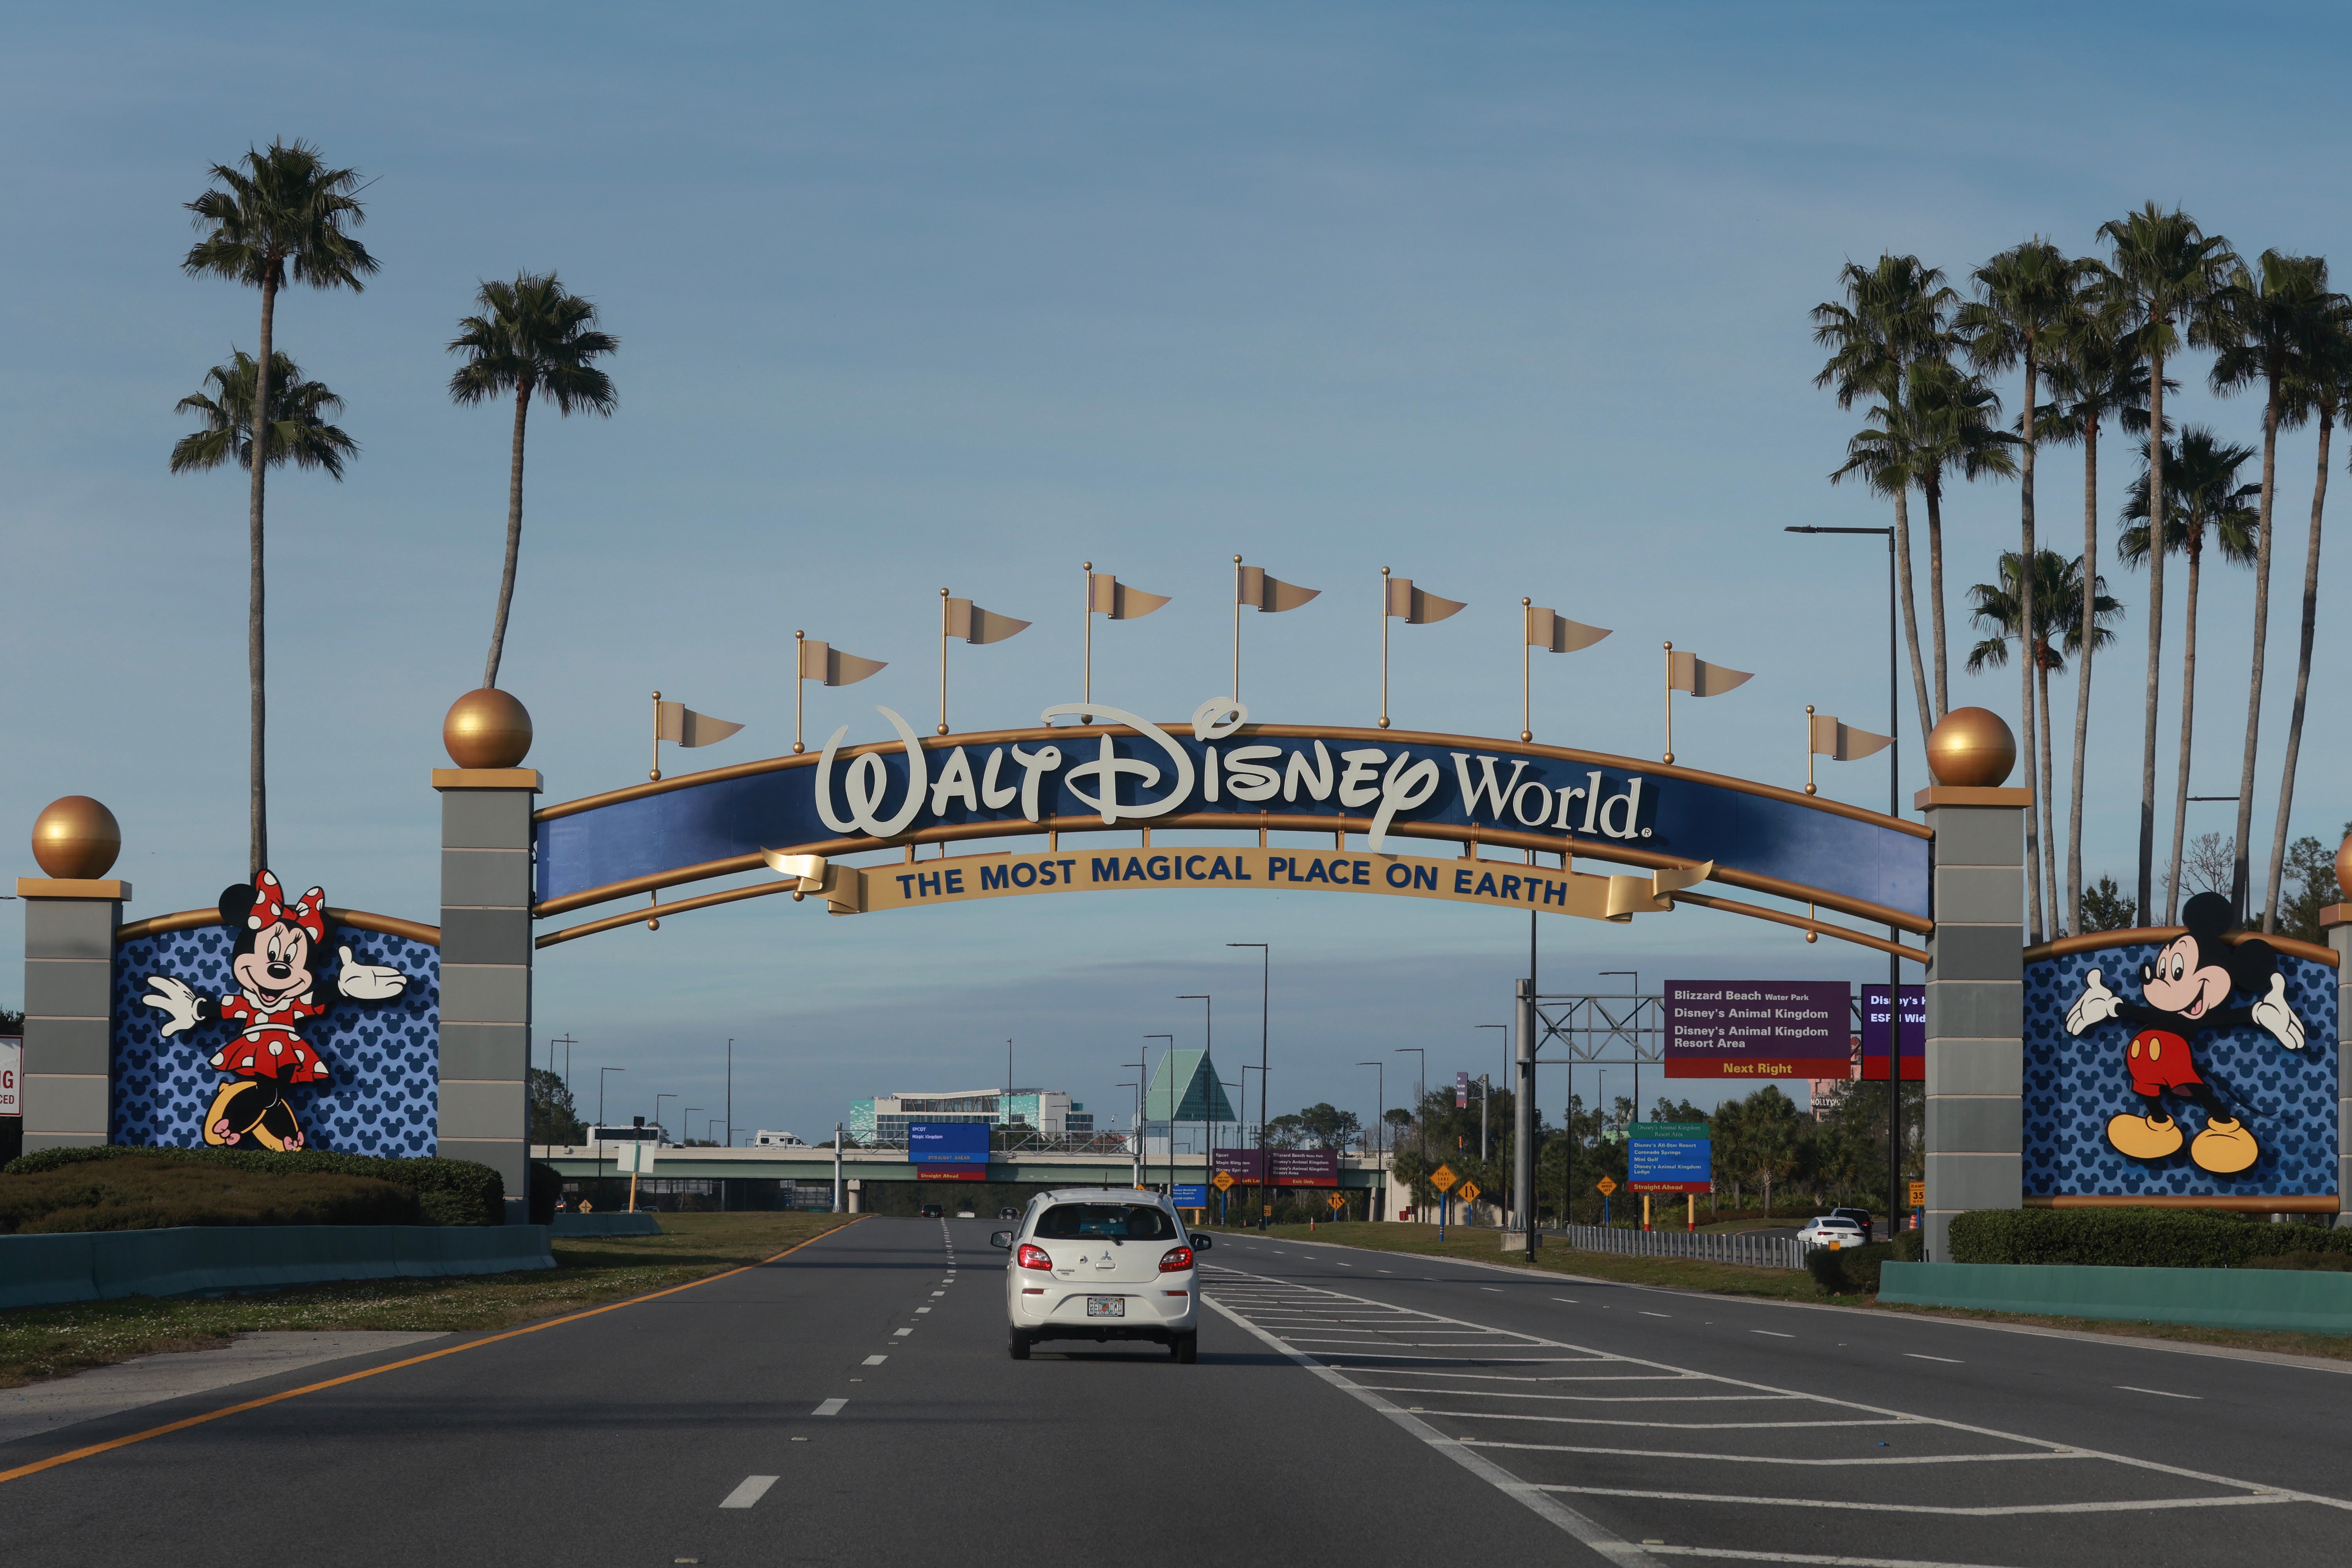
(884, 1118)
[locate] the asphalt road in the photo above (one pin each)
(1346, 1404)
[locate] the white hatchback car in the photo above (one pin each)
(1101, 1263)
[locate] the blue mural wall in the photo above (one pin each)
(384, 1057)
(2073, 1085)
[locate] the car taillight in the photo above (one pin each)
(1034, 1257)
(1175, 1260)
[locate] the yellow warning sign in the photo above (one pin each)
(1469, 1191)
(1918, 1195)
(1444, 1178)
(1607, 1184)
(1336, 1201)
(1223, 1181)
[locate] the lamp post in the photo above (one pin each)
(1265, 1016)
(1208, 1053)
(1164, 1062)
(1247, 1070)
(1490, 1084)
(730, 1091)
(1419, 1094)
(600, 1118)
(1142, 1076)
(685, 1122)
(1895, 1205)
(1380, 1128)
(657, 1099)
(1636, 975)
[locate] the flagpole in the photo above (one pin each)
(1809, 750)
(943, 661)
(1237, 628)
(1670, 702)
(1086, 686)
(1384, 647)
(656, 776)
(1526, 614)
(799, 677)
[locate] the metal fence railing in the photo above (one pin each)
(1718, 1247)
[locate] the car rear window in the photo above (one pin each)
(1128, 1222)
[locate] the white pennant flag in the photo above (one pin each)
(1550, 630)
(970, 622)
(822, 661)
(1418, 607)
(1688, 672)
(1844, 743)
(681, 725)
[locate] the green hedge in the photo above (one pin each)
(448, 1191)
(1854, 1271)
(2133, 1237)
(162, 1194)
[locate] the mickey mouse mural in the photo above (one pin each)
(274, 966)
(2184, 996)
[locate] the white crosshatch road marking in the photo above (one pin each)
(1352, 1341)
(830, 1407)
(751, 1489)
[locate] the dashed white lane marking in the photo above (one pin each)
(1948, 1361)
(1647, 1313)
(1570, 1299)
(902, 1333)
(938, 1292)
(2161, 1392)
(1497, 1289)
(1735, 1554)
(920, 1311)
(830, 1407)
(1773, 1332)
(874, 1361)
(751, 1489)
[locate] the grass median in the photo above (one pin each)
(1774, 1284)
(37, 1343)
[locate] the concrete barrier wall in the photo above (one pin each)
(211, 1260)
(606, 1225)
(2302, 1301)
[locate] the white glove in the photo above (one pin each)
(173, 998)
(2095, 1006)
(2272, 1014)
(369, 981)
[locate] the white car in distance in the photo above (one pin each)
(1831, 1232)
(1101, 1263)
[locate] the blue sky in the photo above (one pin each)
(1511, 299)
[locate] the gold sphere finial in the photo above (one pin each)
(76, 838)
(2344, 867)
(1238, 559)
(1971, 748)
(486, 728)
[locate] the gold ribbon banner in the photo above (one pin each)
(918, 884)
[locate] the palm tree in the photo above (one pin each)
(1895, 314)
(2271, 319)
(2204, 495)
(296, 429)
(532, 336)
(283, 216)
(2058, 582)
(1955, 420)
(2168, 271)
(2023, 297)
(2096, 373)
(2323, 373)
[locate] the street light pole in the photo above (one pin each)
(1895, 1205)
(730, 1091)
(1380, 1130)
(1420, 1094)
(1636, 975)
(1264, 1016)
(657, 1099)
(600, 1118)
(1247, 1070)
(1166, 1062)
(1208, 1054)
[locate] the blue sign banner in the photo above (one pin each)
(1145, 770)
(1670, 1157)
(1190, 1194)
(947, 1143)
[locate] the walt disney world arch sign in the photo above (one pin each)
(1105, 770)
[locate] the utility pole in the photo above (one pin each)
(730, 1091)
(1266, 1004)
(837, 1167)
(567, 1042)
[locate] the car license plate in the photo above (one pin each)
(1106, 1306)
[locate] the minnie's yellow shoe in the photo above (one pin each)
(2145, 1137)
(2225, 1147)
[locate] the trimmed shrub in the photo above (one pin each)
(447, 1191)
(151, 1195)
(2133, 1237)
(2320, 1262)
(1848, 1270)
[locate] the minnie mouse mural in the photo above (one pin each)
(275, 970)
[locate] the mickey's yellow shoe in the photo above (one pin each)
(2225, 1147)
(2147, 1137)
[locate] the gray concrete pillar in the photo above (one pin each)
(2335, 920)
(486, 952)
(68, 988)
(1976, 1005)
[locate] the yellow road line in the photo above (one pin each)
(68, 1459)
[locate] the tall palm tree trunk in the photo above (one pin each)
(2049, 829)
(258, 806)
(2301, 674)
(2239, 876)
(2147, 890)
(2083, 673)
(514, 535)
(2188, 725)
(1910, 609)
(2036, 831)
(1933, 489)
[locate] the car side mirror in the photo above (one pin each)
(1002, 1238)
(1202, 1241)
